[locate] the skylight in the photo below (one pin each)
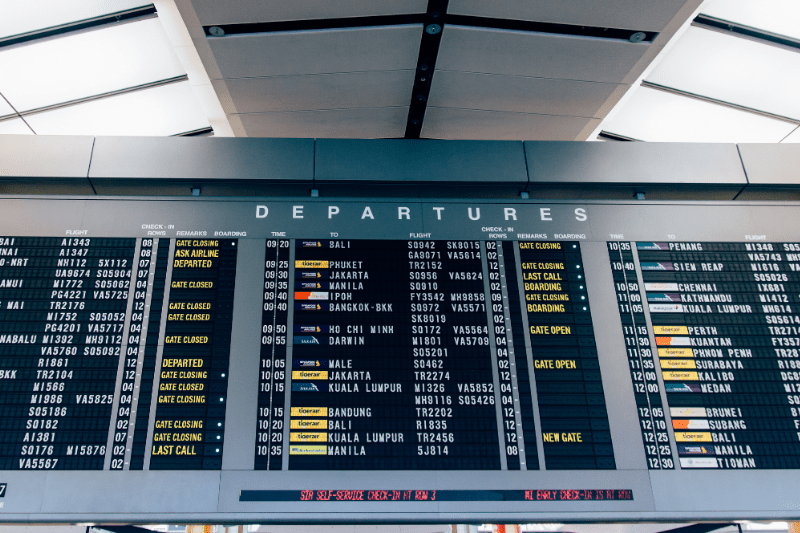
(100, 67)
(733, 75)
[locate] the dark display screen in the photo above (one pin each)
(82, 349)
(725, 322)
(409, 355)
(559, 495)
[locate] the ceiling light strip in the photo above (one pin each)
(740, 30)
(432, 29)
(142, 87)
(226, 30)
(671, 90)
(552, 28)
(610, 136)
(130, 15)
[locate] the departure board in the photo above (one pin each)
(726, 337)
(427, 361)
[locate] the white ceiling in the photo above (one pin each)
(287, 74)
(505, 69)
(732, 75)
(101, 67)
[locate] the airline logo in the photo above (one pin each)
(310, 329)
(311, 264)
(682, 387)
(663, 297)
(678, 363)
(680, 376)
(299, 436)
(652, 246)
(309, 387)
(317, 295)
(310, 285)
(310, 374)
(310, 274)
(308, 340)
(310, 363)
(699, 462)
(666, 287)
(309, 424)
(665, 308)
(687, 411)
(657, 266)
(675, 352)
(673, 341)
(690, 424)
(313, 244)
(300, 306)
(307, 450)
(691, 436)
(309, 411)
(689, 449)
(670, 330)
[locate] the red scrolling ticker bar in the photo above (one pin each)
(536, 495)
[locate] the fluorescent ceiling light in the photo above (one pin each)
(734, 70)
(87, 64)
(652, 115)
(14, 127)
(165, 110)
(25, 16)
(775, 16)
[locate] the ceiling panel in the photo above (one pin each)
(25, 17)
(646, 15)
(652, 115)
(216, 12)
(364, 123)
(318, 51)
(377, 88)
(537, 54)
(732, 69)
(87, 64)
(203, 158)
(39, 156)
(14, 127)
(547, 96)
(776, 16)
(165, 110)
(449, 123)
(419, 160)
(775, 165)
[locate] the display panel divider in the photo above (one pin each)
(162, 331)
(140, 351)
(529, 356)
(501, 430)
(123, 352)
(512, 359)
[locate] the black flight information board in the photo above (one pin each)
(429, 361)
